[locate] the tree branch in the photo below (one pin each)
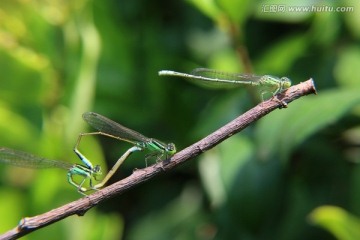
(79, 207)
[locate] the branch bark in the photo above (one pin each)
(81, 206)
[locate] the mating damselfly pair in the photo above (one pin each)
(105, 127)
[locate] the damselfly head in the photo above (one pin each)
(171, 149)
(97, 170)
(286, 83)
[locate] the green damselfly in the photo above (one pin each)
(109, 128)
(218, 79)
(27, 160)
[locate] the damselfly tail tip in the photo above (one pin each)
(165, 72)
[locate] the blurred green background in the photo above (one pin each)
(292, 175)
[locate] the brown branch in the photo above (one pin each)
(79, 207)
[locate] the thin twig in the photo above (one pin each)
(79, 207)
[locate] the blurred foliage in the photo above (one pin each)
(342, 224)
(292, 175)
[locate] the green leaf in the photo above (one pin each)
(219, 167)
(281, 57)
(325, 29)
(15, 129)
(12, 206)
(347, 67)
(339, 222)
(352, 17)
(285, 129)
(177, 218)
(207, 7)
(237, 10)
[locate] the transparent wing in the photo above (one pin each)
(27, 160)
(233, 77)
(110, 127)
